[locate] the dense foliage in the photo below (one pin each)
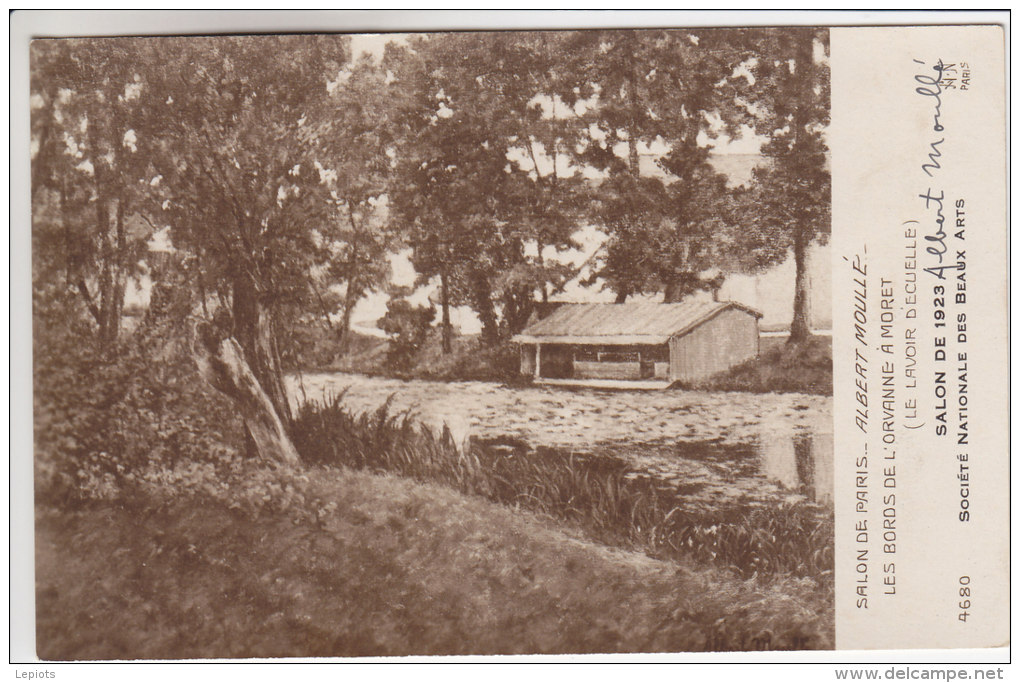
(108, 420)
(408, 326)
(273, 178)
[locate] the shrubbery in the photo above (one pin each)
(138, 425)
(408, 326)
(469, 360)
(109, 418)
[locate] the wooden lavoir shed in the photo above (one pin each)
(640, 341)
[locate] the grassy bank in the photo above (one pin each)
(157, 538)
(601, 494)
(362, 564)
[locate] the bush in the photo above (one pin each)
(469, 360)
(408, 326)
(106, 417)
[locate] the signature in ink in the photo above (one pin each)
(931, 86)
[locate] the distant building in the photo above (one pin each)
(639, 341)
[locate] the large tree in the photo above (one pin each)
(790, 200)
(663, 95)
(546, 193)
(232, 137)
(87, 174)
(480, 188)
(358, 137)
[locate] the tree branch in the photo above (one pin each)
(89, 301)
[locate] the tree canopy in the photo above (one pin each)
(281, 174)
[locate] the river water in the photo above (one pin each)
(718, 446)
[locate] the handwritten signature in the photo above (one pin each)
(937, 242)
(931, 86)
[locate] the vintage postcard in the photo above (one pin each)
(603, 340)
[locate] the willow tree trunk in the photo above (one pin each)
(105, 291)
(253, 329)
(352, 294)
(111, 279)
(481, 292)
(221, 361)
(633, 157)
(344, 333)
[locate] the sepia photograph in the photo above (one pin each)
(442, 343)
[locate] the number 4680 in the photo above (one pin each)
(964, 603)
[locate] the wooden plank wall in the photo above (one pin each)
(606, 370)
(715, 346)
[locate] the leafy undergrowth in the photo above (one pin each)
(804, 367)
(359, 564)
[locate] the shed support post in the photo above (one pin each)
(538, 361)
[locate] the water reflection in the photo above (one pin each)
(709, 474)
(801, 462)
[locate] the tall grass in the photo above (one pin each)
(600, 494)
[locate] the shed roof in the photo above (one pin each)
(639, 322)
